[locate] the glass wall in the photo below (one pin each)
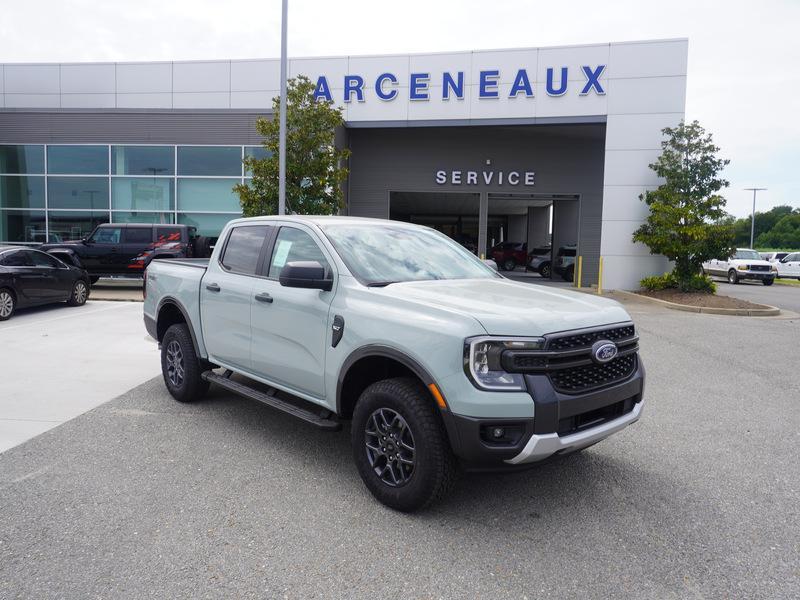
(61, 192)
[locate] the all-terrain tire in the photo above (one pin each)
(79, 294)
(180, 366)
(435, 469)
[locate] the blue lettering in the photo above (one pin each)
(551, 91)
(456, 85)
(521, 84)
(322, 90)
(418, 87)
(392, 93)
(488, 84)
(353, 83)
(593, 80)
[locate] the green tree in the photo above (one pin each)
(765, 221)
(785, 234)
(314, 165)
(687, 221)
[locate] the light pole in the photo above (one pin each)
(282, 133)
(753, 217)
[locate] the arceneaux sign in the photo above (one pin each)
(386, 85)
(485, 177)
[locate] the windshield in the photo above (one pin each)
(747, 254)
(384, 254)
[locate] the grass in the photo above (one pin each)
(788, 282)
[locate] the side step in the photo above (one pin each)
(248, 392)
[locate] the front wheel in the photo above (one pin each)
(509, 265)
(400, 447)
(569, 274)
(767, 281)
(80, 293)
(545, 271)
(7, 305)
(180, 365)
(733, 277)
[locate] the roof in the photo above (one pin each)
(321, 220)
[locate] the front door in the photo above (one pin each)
(791, 268)
(226, 292)
(102, 251)
(290, 325)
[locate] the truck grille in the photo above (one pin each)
(567, 359)
(764, 268)
(589, 377)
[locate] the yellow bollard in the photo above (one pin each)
(600, 278)
(579, 272)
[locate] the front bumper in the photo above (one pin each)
(562, 423)
(756, 275)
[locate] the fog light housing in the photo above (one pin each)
(506, 434)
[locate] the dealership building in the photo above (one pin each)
(537, 146)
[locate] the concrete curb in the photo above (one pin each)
(771, 311)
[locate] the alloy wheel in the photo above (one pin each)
(6, 304)
(175, 367)
(80, 292)
(390, 447)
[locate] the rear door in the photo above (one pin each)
(136, 242)
(24, 276)
(226, 293)
(290, 325)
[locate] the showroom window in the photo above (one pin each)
(165, 218)
(21, 191)
(206, 224)
(210, 160)
(143, 160)
(77, 192)
(23, 226)
(212, 195)
(22, 160)
(77, 160)
(74, 225)
(142, 193)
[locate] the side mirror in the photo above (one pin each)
(305, 274)
(490, 263)
(85, 241)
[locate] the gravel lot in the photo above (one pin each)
(143, 497)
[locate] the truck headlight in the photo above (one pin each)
(773, 268)
(743, 267)
(483, 366)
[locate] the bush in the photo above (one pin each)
(696, 283)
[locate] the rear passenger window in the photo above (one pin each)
(243, 247)
(293, 245)
(165, 235)
(16, 258)
(138, 235)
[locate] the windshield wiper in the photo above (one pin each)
(381, 283)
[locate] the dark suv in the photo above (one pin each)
(125, 249)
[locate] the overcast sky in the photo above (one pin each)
(744, 57)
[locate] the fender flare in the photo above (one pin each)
(383, 351)
(177, 304)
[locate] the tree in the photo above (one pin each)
(785, 234)
(765, 221)
(687, 221)
(314, 165)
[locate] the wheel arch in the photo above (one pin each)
(170, 312)
(369, 364)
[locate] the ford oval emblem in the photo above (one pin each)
(604, 351)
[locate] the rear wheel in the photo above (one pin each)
(545, 271)
(7, 304)
(80, 293)
(733, 277)
(399, 445)
(509, 264)
(180, 366)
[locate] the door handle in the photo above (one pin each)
(264, 297)
(213, 287)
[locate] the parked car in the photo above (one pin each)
(789, 266)
(508, 255)
(744, 264)
(565, 262)
(29, 277)
(773, 256)
(438, 361)
(125, 249)
(540, 260)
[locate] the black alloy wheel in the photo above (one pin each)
(545, 271)
(390, 447)
(180, 365)
(175, 369)
(7, 305)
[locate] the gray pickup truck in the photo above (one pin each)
(439, 362)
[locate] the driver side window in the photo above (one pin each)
(293, 245)
(107, 235)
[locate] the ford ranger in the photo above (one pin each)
(438, 362)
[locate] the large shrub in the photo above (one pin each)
(695, 283)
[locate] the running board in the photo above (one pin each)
(270, 400)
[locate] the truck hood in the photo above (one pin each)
(506, 307)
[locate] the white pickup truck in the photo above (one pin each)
(743, 265)
(438, 361)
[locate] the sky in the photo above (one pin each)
(744, 57)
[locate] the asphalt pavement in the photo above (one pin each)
(782, 296)
(146, 497)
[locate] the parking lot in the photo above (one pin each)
(143, 496)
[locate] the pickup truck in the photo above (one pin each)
(745, 263)
(439, 362)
